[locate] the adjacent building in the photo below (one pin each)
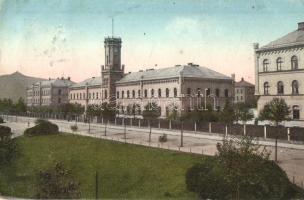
(50, 92)
(244, 92)
(86, 92)
(279, 71)
(183, 87)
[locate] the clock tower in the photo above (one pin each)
(112, 71)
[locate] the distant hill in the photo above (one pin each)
(14, 85)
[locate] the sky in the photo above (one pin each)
(55, 38)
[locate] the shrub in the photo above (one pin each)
(5, 132)
(1, 120)
(239, 171)
(57, 183)
(163, 138)
(8, 147)
(74, 128)
(42, 127)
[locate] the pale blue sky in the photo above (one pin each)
(50, 38)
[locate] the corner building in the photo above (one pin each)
(279, 71)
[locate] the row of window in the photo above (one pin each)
(132, 94)
(280, 87)
(91, 95)
(43, 92)
(279, 63)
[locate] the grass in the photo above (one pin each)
(125, 171)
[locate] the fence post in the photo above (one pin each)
(245, 129)
(226, 130)
(139, 122)
(210, 128)
(265, 132)
(131, 122)
(115, 121)
(101, 120)
(170, 125)
(158, 123)
(195, 126)
(288, 134)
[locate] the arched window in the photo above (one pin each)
(198, 92)
(295, 87)
(133, 94)
(280, 86)
(175, 92)
(265, 65)
(189, 92)
(117, 95)
(122, 94)
(152, 92)
(138, 93)
(167, 92)
(279, 63)
(295, 112)
(128, 94)
(146, 93)
(217, 92)
(159, 92)
(208, 92)
(266, 88)
(294, 62)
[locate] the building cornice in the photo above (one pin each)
(280, 47)
(282, 71)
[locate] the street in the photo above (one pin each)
(290, 156)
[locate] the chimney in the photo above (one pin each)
(301, 26)
(242, 79)
(69, 78)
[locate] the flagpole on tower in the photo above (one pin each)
(112, 27)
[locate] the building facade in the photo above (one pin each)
(279, 71)
(51, 92)
(183, 88)
(244, 92)
(87, 92)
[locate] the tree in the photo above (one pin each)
(240, 170)
(20, 106)
(276, 111)
(108, 111)
(151, 112)
(227, 115)
(243, 113)
(57, 183)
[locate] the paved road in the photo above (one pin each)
(291, 156)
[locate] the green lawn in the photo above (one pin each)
(125, 171)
